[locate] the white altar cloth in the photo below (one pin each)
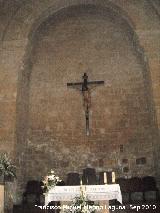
(93, 193)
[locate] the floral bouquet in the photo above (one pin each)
(81, 204)
(7, 169)
(50, 181)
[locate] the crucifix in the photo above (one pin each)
(85, 87)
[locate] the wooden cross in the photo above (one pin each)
(85, 87)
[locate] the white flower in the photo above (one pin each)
(52, 171)
(51, 180)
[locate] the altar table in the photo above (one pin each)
(93, 193)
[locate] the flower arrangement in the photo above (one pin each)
(7, 169)
(50, 181)
(81, 204)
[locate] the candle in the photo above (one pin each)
(105, 178)
(81, 183)
(113, 177)
(87, 180)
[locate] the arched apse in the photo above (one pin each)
(76, 39)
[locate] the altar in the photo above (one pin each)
(102, 193)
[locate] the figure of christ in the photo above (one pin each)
(87, 105)
(85, 88)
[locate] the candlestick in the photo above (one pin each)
(105, 178)
(113, 177)
(83, 190)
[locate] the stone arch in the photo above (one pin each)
(33, 16)
(24, 77)
(42, 16)
(56, 8)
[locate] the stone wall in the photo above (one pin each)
(87, 39)
(41, 50)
